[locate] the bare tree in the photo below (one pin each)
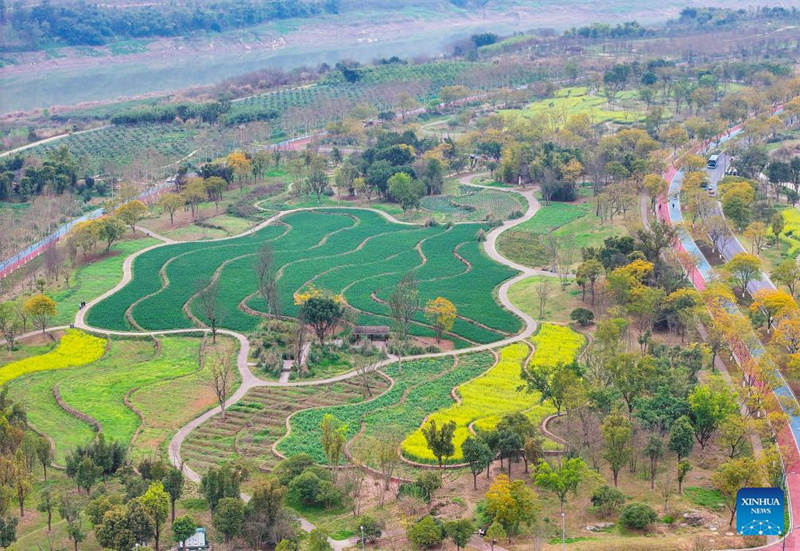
(404, 302)
(542, 287)
(552, 245)
(717, 229)
(220, 364)
(564, 259)
(364, 368)
(267, 277)
(385, 448)
(208, 295)
(355, 477)
(300, 341)
(53, 262)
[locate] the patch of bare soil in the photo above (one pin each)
(444, 346)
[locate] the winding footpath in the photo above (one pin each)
(250, 381)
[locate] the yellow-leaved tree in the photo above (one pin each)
(441, 313)
(131, 212)
(40, 308)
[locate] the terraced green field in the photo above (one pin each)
(421, 388)
(99, 389)
(259, 420)
(357, 253)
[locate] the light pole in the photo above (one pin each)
(363, 541)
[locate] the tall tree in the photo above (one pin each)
(334, 436)
(267, 277)
(709, 405)
(743, 268)
(47, 504)
(404, 303)
(40, 308)
(440, 439)
(441, 313)
(131, 212)
(405, 190)
(654, 450)
(322, 313)
(110, 229)
(69, 510)
(478, 455)
(173, 484)
(732, 476)
(562, 479)
(460, 531)
(228, 517)
(317, 180)
(617, 432)
(681, 437)
(210, 305)
(171, 203)
(219, 364)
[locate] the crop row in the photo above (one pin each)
(75, 349)
(422, 400)
(496, 204)
(304, 434)
(438, 73)
(355, 254)
(498, 392)
(256, 422)
(120, 144)
(98, 389)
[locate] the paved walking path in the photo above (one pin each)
(250, 381)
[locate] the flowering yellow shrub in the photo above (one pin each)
(75, 349)
(301, 297)
(486, 399)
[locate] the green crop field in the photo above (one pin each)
(259, 420)
(99, 388)
(474, 205)
(356, 253)
(565, 220)
(422, 387)
(92, 280)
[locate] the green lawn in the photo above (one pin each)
(559, 303)
(522, 244)
(577, 101)
(93, 279)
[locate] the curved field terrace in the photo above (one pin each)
(358, 253)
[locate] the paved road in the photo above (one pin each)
(249, 380)
(733, 246)
(789, 437)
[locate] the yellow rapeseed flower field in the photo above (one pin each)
(486, 399)
(75, 349)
